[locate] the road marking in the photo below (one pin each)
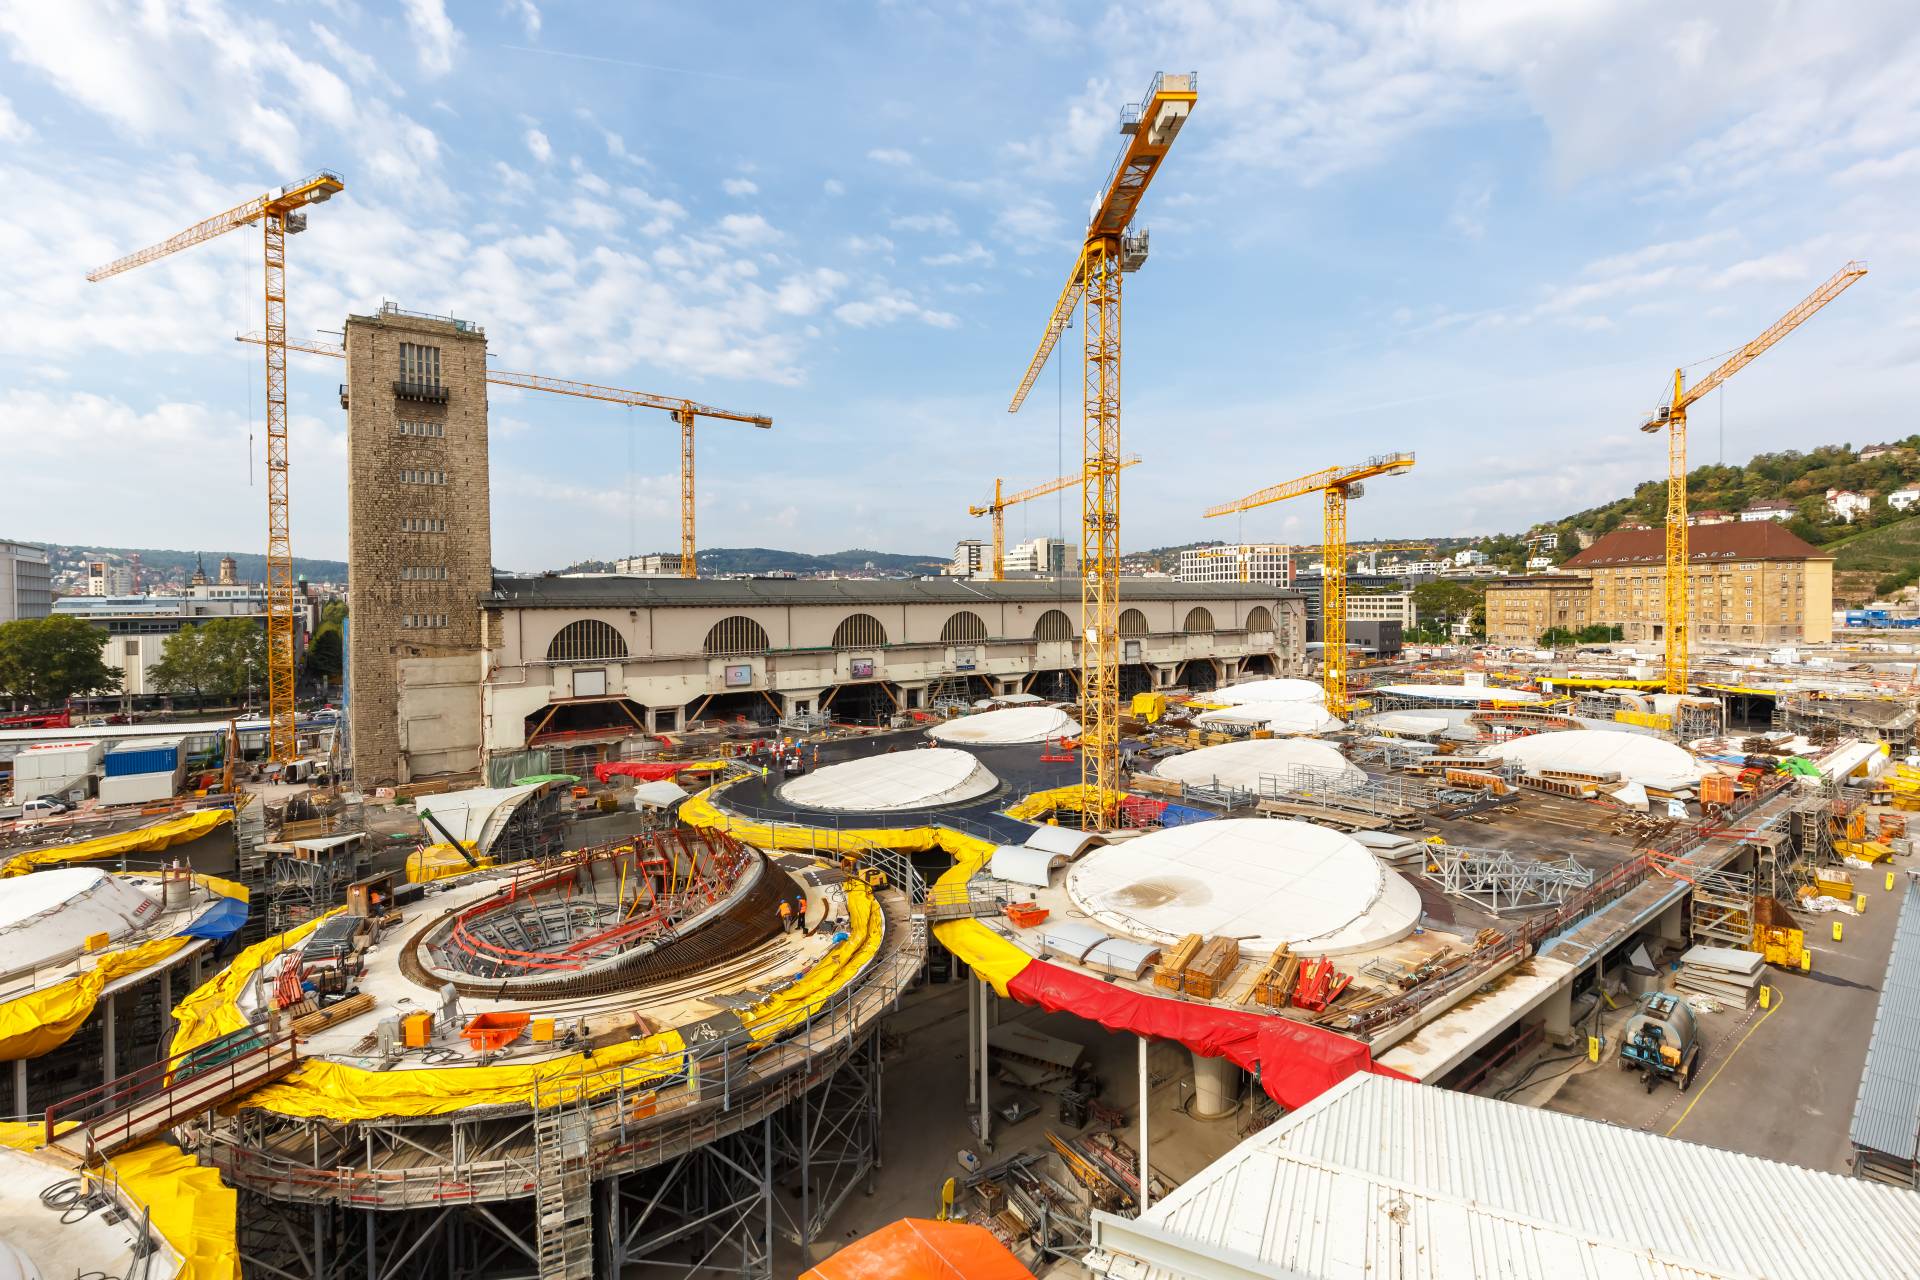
(1778, 1000)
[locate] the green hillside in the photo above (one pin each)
(1891, 554)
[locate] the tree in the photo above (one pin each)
(224, 657)
(45, 661)
(324, 654)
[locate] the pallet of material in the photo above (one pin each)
(1170, 973)
(1208, 973)
(1476, 780)
(339, 1011)
(1577, 775)
(1723, 973)
(1265, 987)
(1558, 786)
(1327, 817)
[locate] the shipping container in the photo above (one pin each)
(156, 756)
(136, 788)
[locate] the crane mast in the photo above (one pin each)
(280, 214)
(998, 510)
(1110, 248)
(1675, 606)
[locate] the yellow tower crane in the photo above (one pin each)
(998, 510)
(1110, 248)
(684, 412)
(1338, 484)
(1673, 417)
(279, 213)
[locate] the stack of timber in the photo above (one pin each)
(1273, 983)
(1170, 973)
(1723, 973)
(1207, 975)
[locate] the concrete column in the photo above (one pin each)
(1146, 1194)
(20, 1088)
(986, 1112)
(973, 1039)
(1557, 1014)
(1669, 924)
(108, 1052)
(166, 1002)
(1216, 1088)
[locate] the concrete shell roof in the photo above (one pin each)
(1636, 757)
(1243, 764)
(1280, 689)
(1008, 725)
(1280, 717)
(897, 780)
(1460, 693)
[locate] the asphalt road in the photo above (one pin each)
(1778, 1083)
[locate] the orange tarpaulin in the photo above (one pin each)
(921, 1249)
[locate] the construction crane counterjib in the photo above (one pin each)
(312, 189)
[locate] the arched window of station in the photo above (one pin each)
(859, 631)
(732, 637)
(964, 627)
(588, 640)
(1133, 622)
(1199, 621)
(1053, 625)
(1259, 618)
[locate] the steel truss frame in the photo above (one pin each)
(1499, 882)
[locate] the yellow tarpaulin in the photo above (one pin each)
(191, 1209)
(41, 1021)
(1150, 706)
(150, 839)
(210, 1012)
(1042, 803)
(438, 861)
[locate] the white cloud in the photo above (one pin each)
(1469, 216)
(869, 244)
(434, 39)
(529, 14)
(12, 127)
(884, 306)
(538, 146)
(931, 223)
(890, 155)
(975, 254)
(746, 228)
(834, 187)
(740, 187)
(1031, 223)
(806, 293)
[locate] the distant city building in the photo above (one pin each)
(1710, 516)
(657, 565)
(1050, 557)
(1543, 542)
(105, 578)
(1540, 562)
(1903, 499)
(138, 626)
(1869, 452)
(1382, 606)
(1468, 556)
(969, 560)
(1847, 505)
(1273, 565)
(26, 589)
(229, 572)
(1767, 509)
(1521, 609)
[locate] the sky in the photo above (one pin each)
(1482, 230)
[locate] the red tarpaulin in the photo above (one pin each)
(645, 771)
(1295, 1062)
(921, 1249)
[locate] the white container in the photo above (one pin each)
(137, 788)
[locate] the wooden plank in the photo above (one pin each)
(1170, 973)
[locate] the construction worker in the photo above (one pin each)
(786, 916)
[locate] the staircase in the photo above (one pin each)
(563, 1191)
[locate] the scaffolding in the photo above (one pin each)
(1499, 882)
(1723, 909)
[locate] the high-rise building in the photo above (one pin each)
(969, 560)
(25, 586)
(106, 578)
(656, 565)
(1053, 557)
(419, 540)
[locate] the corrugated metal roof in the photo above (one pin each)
(1381, 1178)
(587, 593)
(1886, 1116)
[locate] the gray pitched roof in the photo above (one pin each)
(612, 591)
(1886, 1116)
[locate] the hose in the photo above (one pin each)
(70, 1197)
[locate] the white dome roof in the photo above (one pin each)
(1283, 689)
(897, 780)
(1461, 693)
(1280, 717)
(1243, 764)
(1636, 757)
(1261, 881)
(1009, 724)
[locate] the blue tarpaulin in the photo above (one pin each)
(220, 921)
(1179, 815)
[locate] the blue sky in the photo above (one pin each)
(1483, 230)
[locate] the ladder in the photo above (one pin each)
(563, 1206)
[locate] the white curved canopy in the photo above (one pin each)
(1460, 693)
(1279, 689)
(1636, 757)
(52, 913)
(898, 780)
(1007, 725)
(1278, 717)
(1243, 764)
(1261, 881)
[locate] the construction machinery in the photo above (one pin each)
(1110, 248)
(1338, 485)
(280, 213)
(1673, 417)
(1661, 1040)
(998, 510)
(684, 412)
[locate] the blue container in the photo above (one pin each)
(136, 759)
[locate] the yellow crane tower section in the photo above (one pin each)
(998, 510)
(280, 214)
(1109, 248)
(1338, 484)
(1673, 417)
(684, 412)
